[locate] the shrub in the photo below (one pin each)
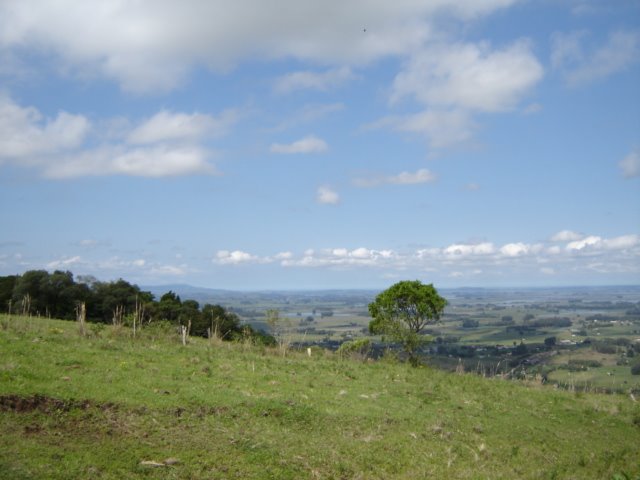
(358, 348)
(635, 369)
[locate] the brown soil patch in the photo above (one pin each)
(43, 403)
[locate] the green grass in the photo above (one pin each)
(98, 406)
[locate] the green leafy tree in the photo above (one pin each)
(7, 285)
(32, 284)
(169, 307)
(225, 325)
(109, 296)
(403, 310)
(190, 315)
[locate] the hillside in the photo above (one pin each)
(110, 406)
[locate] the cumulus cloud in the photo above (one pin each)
(157, 161)
(25, 133)
(592, 253)
(308, 144)
(170, 126)
(519, 248)
(581, 244)
(341, 257)
(594, 243)
(469, 76)
(236, 257)
(581, 65)
(455, 82)
(630, 165)
(322, 81)
(327, 196)
(167, 144)
(457, 249)
(566, 236)
(151, 45)
(403, 178)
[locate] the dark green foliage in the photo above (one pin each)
(7, 284)
(169, 307)
(470, 323)
(521, 349)
(57, 294)
(403, 310)
(223, 324)
(552, 322)
(359, 348)
(635, 369)
(550, 341)
(108, 296)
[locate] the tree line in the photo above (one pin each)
(59, 295)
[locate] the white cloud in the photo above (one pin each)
(313, 80)
(64, 263)
(622, 242)
(151, 45)
(593, 253)
(630, 165)
(469, 76)
(226, 257)
(168, 126)
(589, 241)
(579, 67)
(309, 144)
(403, 178)
(327, 196)
(169, 270)
(25, 133)
(617, 254)
(457, 249)
(167, 144)
(159, 161)
(566, 236)
(342, 257)
(443, 128)
(515, 249)
(454, 82)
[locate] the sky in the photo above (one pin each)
(298, 144)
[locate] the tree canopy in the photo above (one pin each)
(403, 310)
(57, 295)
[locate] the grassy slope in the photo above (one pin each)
(238, 412)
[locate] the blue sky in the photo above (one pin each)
(247, 145)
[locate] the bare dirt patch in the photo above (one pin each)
(46, 404)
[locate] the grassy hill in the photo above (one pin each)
(110, 406)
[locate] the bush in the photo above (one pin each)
(635, 369)
(358, 348)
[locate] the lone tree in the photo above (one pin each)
(403, 310)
